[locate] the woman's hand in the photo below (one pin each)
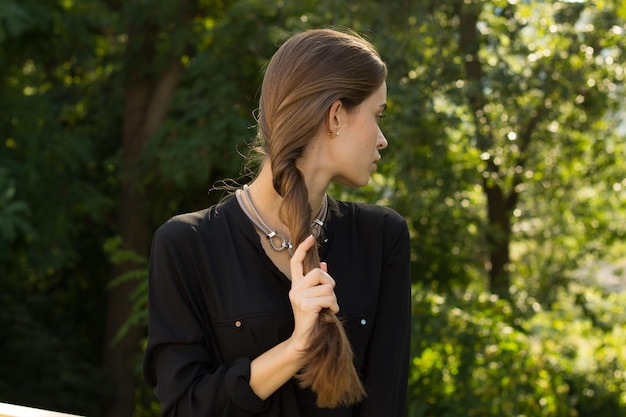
(309, 294)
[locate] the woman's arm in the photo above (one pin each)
(180, 361)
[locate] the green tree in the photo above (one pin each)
(495, 106)
(53, 174)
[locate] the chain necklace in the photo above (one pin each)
(278, 241)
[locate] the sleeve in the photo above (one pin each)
(387, 358)
(179, 360)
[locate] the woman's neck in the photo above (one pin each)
(268, 201)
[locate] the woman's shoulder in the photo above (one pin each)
(185, 224)
(365, 224)
(371, 213)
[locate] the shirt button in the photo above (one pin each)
(363, 322)
(238, 324)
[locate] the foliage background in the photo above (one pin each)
(507, 158)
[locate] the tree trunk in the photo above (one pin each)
(149, 90)
(499, 205)
(500, 202)
(498, 239)
(146, 104)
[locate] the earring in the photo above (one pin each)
(337, 133)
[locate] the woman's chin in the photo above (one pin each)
(353, 183)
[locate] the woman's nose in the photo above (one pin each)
(381, 142)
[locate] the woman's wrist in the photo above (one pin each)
(295, 349)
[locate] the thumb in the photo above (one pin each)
(324, 266)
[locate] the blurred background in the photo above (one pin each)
(507, 157)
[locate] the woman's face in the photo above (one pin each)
(357, 147)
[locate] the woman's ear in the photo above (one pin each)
(333, 117)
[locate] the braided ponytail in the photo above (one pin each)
(329, 369)
(306, 75)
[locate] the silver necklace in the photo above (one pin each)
(278, 241)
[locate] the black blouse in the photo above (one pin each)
(216, 301)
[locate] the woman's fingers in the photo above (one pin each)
(310, 293)
(315, 276)
(316, 298)
(313, 291)
(296, 266)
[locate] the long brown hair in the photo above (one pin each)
(308, 73)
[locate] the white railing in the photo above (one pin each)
(10, 410)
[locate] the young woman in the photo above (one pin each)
(282, 301)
